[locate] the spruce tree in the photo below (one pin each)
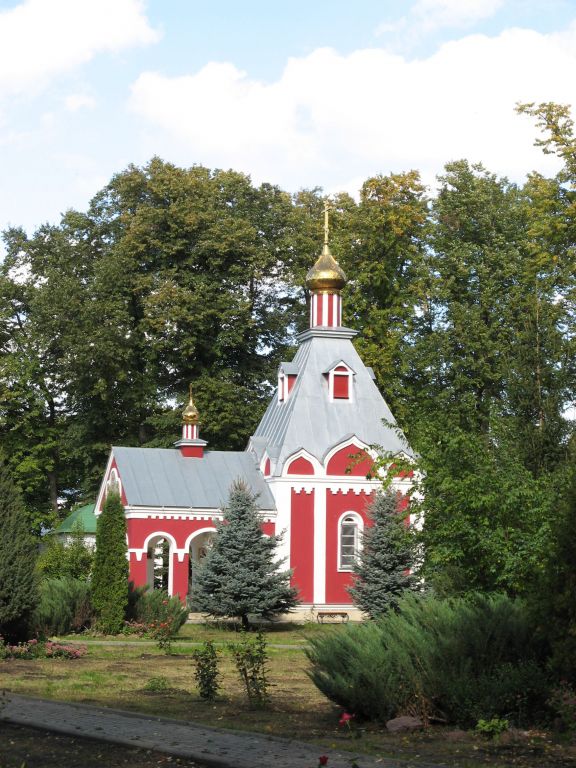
(383, 567)
(241, 575)
(110, 574)
(18, 588)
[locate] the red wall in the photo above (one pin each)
(302, 543)
(300, 466)
(342, 461)
(336, 505)
(139, 529)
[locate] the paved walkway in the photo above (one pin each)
(208, 746)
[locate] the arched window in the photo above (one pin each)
(113, 485)
(348, 541)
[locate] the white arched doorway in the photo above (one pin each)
(159, 566)
(198, 546)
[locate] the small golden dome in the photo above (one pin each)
(190, 414)
(326, 274)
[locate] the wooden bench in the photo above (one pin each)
(332, 616)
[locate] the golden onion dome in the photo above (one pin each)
(190, 414)
(326, 274)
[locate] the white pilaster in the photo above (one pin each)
(282, 493)
(320, 544)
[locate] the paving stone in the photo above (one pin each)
(209, 746)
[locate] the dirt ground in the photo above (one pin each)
(30, 748)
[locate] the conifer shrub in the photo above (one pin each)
(385, 566)
(241, 575)
(110, 573)
(460, 660)
(64, 607)
(18, 585)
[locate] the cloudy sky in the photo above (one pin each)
(300, 93)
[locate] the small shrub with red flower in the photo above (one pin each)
(162, 616)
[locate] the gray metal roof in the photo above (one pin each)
(309, 420)
(289, 367)
(162, 477)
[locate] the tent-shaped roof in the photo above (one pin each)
(309, 419)
(84, 516)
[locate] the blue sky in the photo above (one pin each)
(301, 94)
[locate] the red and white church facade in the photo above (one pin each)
(308, 461)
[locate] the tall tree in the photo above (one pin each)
(488, 378)
(240, 574)
(18, 587)
(385, 567)
(110, 572)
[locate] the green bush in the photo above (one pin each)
(157, 607)
(461, 660)
(73, 559)
(206, 671)
(251, 659)
(64, 607)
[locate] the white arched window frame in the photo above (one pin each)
(350, 527)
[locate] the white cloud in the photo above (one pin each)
(43, 38)
(434, 14)
(77, 101)
(330, 119)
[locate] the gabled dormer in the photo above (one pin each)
(340, 378)
(287, 375)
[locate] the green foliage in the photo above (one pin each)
(459, 659)
(18, 588)
(110, 576)
(206, 671)
(492, 728)
(251, 659)
(64, 607)
(562, 702)
(487, 518)
(72, 559)
(388, 553)
(158, 684)
(240, 575)
(552, 597)
(162, 615)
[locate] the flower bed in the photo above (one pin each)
(35, 649)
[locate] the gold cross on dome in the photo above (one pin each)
(326, 220)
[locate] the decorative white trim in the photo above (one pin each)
(180, 513)
(159, 535)
(194, 535)
(102, 491)
(325, 304)
(302, 454)
(319, 590)
(353, 440)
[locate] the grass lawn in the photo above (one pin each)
(139, 677)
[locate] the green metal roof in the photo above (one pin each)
(83, 515)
